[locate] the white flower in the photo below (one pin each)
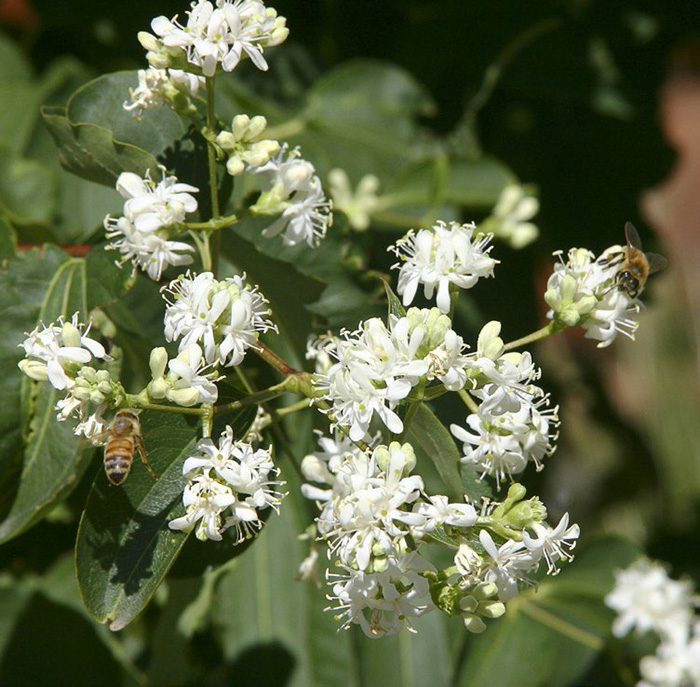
(157, 86)
(501, 444)
(224, 317)
(318, 350)
(507, 566)
(56, 353)
(438, 511)
(223, 33)
(365, 513)
(294, 191)
(150, 209)
(383, 603)
(582, 292)
(185, 383)
(675, 664)
(204, 499)
(646, 598)
(377, 366)
(552, 544)
(508, 220)
(228, 479)
(439, 257)
(358, 206)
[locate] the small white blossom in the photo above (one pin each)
(552, 544)
(582, 292)
(646, 598)
(366, 513)
(358, 205)
(142, 234)
(56, 353)
(502, 444)
(220, 33)
(224, 317)
(509, 219)
(382, 603)
(676, 662)
(438, 512)
(158, 86)
(507, 566)
(377, 366)
(439, 257)
(229, 483)
(293, 190)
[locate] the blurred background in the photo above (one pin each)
(596, 104)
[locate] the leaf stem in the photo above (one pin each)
(468, 401)
(212, 237)
(167, 409)
(530, 338)
(256, 398)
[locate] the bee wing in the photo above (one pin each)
(632, 236)
(656, 262)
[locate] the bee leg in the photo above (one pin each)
(141, 447)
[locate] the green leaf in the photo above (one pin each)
(368, 99)
(106, 282)
(27, 190)
(47, 630)
(101, 101)
(437, 442)
(41, 458)
(8, 240)
(557, 631)
(91, 151)
(466, 183)
(124, 547)
(395, 306)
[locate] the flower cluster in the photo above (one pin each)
(229, 483)
(60, 354)
(646, 599)
(444, 257)
(219, 33)
(377, 366)
(374, 514)
(582, 292)
(243, 145)
(224, 317)
(293, 189)
(143, 232)
(174, 87)
(513, 425)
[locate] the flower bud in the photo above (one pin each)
(183, 397)
(157, 362)
(71, 335)
(34, 369)
(157, 389)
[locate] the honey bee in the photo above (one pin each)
(124, 439)
(633, 265)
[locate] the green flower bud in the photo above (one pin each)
(474, 624)
(70, 334)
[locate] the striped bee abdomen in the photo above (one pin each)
(119, 455)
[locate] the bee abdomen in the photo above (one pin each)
(119, 455)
